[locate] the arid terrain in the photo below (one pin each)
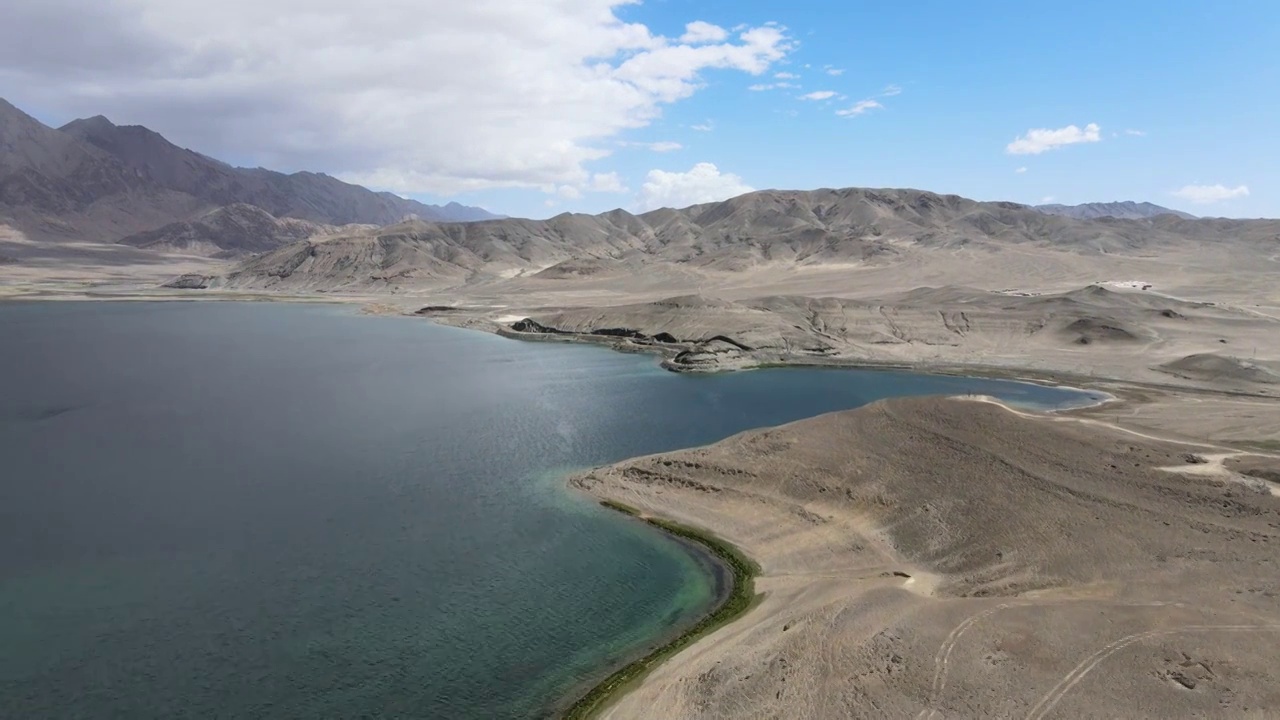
(953, 558)
(922, 558)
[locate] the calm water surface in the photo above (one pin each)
(268, 510)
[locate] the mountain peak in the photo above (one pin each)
(97, 122)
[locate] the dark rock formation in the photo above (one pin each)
(189, 282)
(528, 325)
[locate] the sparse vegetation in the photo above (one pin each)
(741, 598)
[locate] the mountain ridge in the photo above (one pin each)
(770, 228)
(1121, 210)
(94, 180)
(314, 196)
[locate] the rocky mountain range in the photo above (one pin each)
(227, 231)
(92, 180)
(787, 230)
(96, 181)
(1126, 210)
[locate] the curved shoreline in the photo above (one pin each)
(740, 597)
(614, 687)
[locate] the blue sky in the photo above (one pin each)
(1200, 81)
(535, 108)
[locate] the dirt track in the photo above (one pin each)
(949, 558)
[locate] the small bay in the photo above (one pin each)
(295, 511)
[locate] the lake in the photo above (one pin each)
(296, 511)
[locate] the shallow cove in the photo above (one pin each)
(243, 509)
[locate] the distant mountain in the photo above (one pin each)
(227, 231)
(1127, 210)
(95, 180)
(48, 170)
(304, 195)
(53, 186)
(783, 230)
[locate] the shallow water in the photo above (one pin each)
(251, 510)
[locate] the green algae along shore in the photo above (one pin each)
(740, 597)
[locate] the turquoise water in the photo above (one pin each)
(267, 510)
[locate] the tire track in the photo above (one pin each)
(1078, 673)
(942, 658)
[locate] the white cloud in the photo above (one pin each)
(786, 76)
(859, 108)
(1047, 199)
(760, 87)
(442, 98)
(698, 32)
(863, 107)
(707, 126)
(661, 146)
(607, 183)
(1136, 133)
(1021, 170)
(703, 183)
(569, 192)
(819, 95)
(1209, 194)
(836, 72)
(1041, 139)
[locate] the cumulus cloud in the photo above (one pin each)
(891, 90)
(786, 76)
(819, 95)
(1209, 194)
(442, 99)
(1136, 133)
(703, 183)
(835, 72)
(703, 32)
(1021, 170)
(707, 126)
(1042, 139)
(860, 108)
(609, 182)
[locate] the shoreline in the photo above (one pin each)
(790, 527)
(600, 696)
(743, 571)
(738, 598)
(1036, 376)
(384, 306)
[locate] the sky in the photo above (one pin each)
(536, 107)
